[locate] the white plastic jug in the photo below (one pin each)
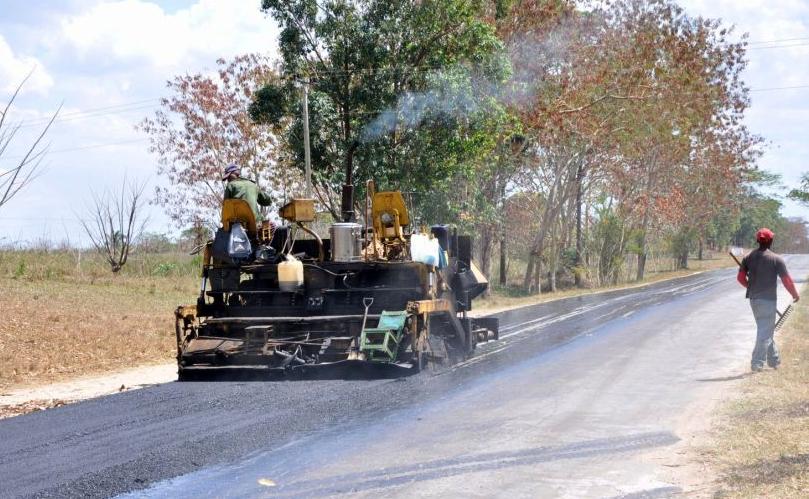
(424, 250)
(290, 274)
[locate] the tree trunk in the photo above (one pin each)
(558, 194)
(486, 246)
(503, 266)
(537, 274)
(579, 244)
(646, 218)
(552, 276)
(641, 260)
(529, 272)
(700, 256)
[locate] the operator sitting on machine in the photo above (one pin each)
(242, 188)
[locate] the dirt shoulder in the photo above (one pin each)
(758, 443)
(36, 398)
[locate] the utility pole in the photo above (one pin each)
(306, 154)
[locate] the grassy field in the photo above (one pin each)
(65, 314)
(762, 438)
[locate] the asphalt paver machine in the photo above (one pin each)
(381, 296)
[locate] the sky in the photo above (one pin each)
(107, 62)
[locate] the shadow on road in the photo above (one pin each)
(383, 478)
(345, 370)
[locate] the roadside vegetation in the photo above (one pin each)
(65, 314)
(761, 447)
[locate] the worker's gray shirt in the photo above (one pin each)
(763, 270)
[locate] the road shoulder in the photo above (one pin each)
(14, 402)
(756, 442)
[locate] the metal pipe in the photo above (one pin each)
(347, 204)
(306, 154)
(321, 252)
(369, 192)
(288, 357)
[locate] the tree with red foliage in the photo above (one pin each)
(204, 126)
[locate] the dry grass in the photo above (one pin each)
(61, 320)
(763, 436)
(7, 411)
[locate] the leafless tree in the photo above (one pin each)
(26, 167)
(115, 221)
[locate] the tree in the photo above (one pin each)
(115, 221)
(203, 127)
(795, 237)
(621, 98)
(25, 168)
(403, 86)
(801, 194)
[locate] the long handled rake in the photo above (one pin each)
(782, 316)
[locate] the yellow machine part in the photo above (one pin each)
(298, 210)
(479, 277)
(389, 203)
(238, 210)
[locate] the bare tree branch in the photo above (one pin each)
(26, 169)
(115, 222)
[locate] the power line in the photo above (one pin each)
(45, 219)
(82, 148)
(92, 113)
(139, 105)
(782, 40)
(111, 106)
(773, 89)
(785, 46)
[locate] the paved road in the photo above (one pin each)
(570, 403)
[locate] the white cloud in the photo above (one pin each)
(137, 30)
(14, 68)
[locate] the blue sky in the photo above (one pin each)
(108, 62)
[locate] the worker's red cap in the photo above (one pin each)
(764, 235)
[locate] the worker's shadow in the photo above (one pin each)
(724, 378)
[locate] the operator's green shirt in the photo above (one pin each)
(243, 188)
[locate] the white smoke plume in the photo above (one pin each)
(533, 62)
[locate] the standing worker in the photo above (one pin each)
(758, 273)
(242, 188)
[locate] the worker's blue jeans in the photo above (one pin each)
(764, 311)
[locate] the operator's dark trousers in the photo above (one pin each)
(765, 351)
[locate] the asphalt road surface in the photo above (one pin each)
(571, 402)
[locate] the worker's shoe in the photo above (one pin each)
(756, 368)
